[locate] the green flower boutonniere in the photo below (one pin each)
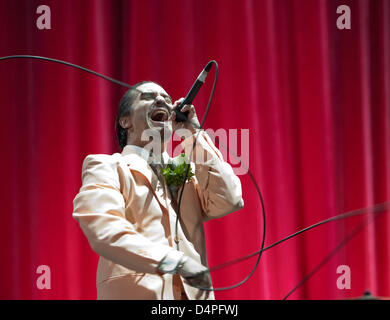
(175, 171)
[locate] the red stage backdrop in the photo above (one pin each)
(316, 101)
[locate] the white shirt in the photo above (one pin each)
(147, 155)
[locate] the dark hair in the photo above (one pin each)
(124, 110)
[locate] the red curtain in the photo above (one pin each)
(316, 101)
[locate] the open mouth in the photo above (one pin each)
(159, 115)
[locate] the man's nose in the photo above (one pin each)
(160, 101)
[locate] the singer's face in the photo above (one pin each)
(151, 115)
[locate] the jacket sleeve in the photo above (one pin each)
(219, 189)
(99, 208)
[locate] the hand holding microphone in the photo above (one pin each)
(184, 115)
(192, 122)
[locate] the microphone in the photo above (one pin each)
(183, 116)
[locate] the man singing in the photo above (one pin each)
(127, 210)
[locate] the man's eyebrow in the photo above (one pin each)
(148, 92)
(166, 96)
(155, 93)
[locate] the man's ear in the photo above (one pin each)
(126, 123)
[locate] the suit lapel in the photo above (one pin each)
(137, 165)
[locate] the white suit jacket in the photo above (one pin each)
(129, 218)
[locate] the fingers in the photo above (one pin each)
(200, 279)
(192, 122)
(195, 274)
(177, 103)
(188, 107)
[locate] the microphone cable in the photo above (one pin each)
(26, 56)
(341, 244)
(377, 208)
